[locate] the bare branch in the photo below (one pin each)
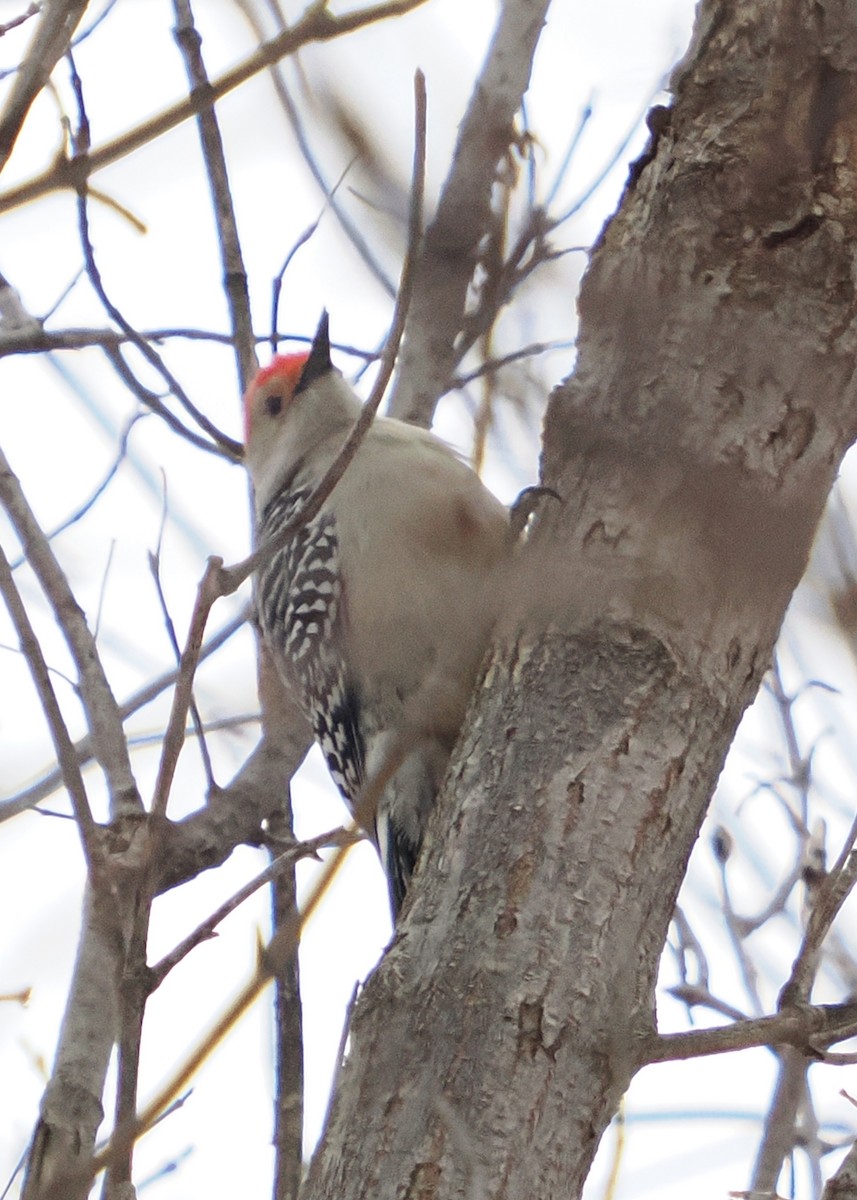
(276, 287)
(53, 37)
(83, 748)
(32, 11)
(809, 1029)
(206, 929)
(71, 1108)
(415, 230)
(66, 756)
(493, 365)
(155, 567)
(227, 445)
(234, 273)
(210, 589)
(829, 898)
(445, 267)
(33, 339)
(316, 25)
(352, 232)
(288, 1025)
(102, 712)
(99, 489)
(780, 1133)
(113, 352)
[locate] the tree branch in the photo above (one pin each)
(99, 704)
(808, 1029)
(53, 37)
(445, 267)
(316, 25)
(66, 756)
(232, 261)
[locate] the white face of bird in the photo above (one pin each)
(273, 400)
(268, 404)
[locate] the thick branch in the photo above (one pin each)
(71, 1109)
(462, 219)
(694, 449)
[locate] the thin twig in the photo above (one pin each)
(288, 1024)
(99, 491)
(33, 339)
(102, 712)
(102, 591)
(779, 1136)
(316, 25)
(113, 353)
(565, 163)
(689, 942)
(231, 258)
(412, 253)
(227, 445)
(238, 721)
(196, 718)
(33, 10)
(83, 747)
(352, 231)
(616, 157)
(800, 765)
(205, 930)
(210, 590)
(63, 296)
(830, 896)
(497, 364)
(60, 736)
(277, 284)
(736, 936)
(698, 996)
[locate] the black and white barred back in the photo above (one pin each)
(301, 611)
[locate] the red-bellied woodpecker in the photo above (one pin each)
(378, 611)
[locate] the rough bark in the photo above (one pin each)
(843, 1185)
(693, 448)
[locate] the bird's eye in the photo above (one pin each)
(273, 405)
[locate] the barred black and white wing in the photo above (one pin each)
(301, 609)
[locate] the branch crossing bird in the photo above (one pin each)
(377, 613)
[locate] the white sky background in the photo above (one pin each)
(58, 425)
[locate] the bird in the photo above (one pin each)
(378, 611)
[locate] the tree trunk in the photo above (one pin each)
(693, 450)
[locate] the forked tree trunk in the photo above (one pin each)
(693, 448)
